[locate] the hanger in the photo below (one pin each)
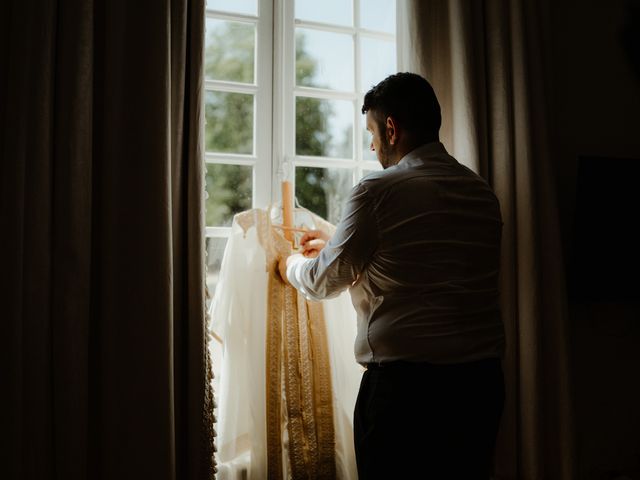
(287, 213)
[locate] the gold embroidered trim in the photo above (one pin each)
(308, 390)
(293, 392)
(323, 392)
(297, 361)
(305, 367)
(274, 378)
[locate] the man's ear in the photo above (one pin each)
(391, 131)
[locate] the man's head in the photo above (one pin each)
(402, 114)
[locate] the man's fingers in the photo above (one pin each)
(313, 247)
(310, 235)
(315, 244)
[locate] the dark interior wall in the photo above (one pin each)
(596, 95)
(595, 105)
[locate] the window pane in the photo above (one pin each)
(229, 191)
(230, 51)
(337, 12)
(248, 7)
(378, 61)
(378, 15)
(229, 118)
(323, 191)
(215, 251)
(318, 65)
(324, 127)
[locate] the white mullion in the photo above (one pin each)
(289, 87)
(323, 162)
(284, 142)
(357, 172)
(376, 35)
(357, 123)
(262, 119)
(233, 87)
(233, 17)
(217, 232)
(324, 94)
(325, 27)
(279, 95)
(230, 159)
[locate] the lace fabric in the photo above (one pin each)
(288, 376)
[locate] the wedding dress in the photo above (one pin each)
(288, 377)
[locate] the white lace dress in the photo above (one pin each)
(243, 308)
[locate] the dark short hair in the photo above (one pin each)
(410, 99)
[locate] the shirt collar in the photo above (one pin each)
(419, 155)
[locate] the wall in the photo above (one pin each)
(596, 111)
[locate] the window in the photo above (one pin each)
(284, 81)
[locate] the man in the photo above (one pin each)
(418, 246)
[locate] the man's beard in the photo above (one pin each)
(385, 153)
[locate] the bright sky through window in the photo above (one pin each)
(333, 71)
(335, 12)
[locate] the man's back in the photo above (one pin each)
(429, 291)
(419, 248)
(421, 239)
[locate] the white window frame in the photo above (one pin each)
(274, 158)
(261, 159)
(286, 91)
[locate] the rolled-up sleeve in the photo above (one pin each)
(345, 255)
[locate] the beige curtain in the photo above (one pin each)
(486, 60)
(102, 335)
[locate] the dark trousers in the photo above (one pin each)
(425, 421)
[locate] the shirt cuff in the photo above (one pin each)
(295, 270)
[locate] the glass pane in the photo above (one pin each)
(337, 12)
(229, 191)
(248, 7)
(229, 118)
(229, 51)
(215, 251)
(378, 61)
(324, 127)
(324, 191)
(317, 64)
(378, 15)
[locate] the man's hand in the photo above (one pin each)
(312, 242)
(282, 266)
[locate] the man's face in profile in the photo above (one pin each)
(379, 142)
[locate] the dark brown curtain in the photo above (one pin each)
(487, 62)
(102, 334)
